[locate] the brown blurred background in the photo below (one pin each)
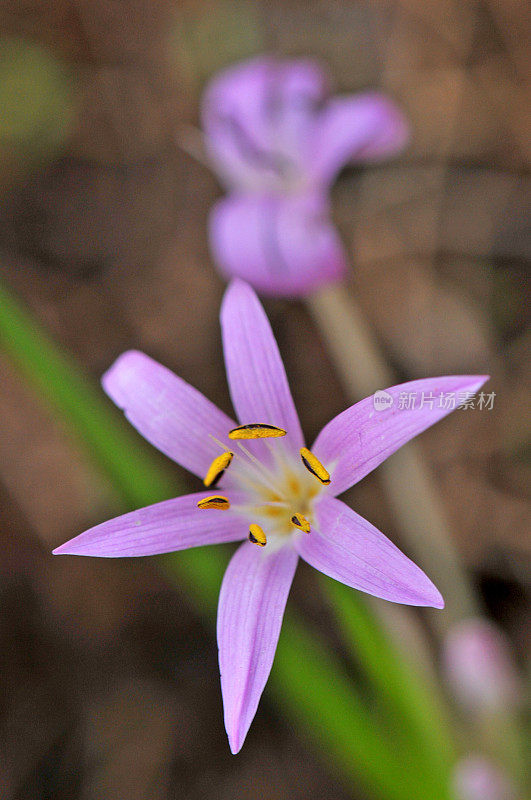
(110, 683)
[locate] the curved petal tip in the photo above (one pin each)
(112, 380)
(438, 599)
(236, 741)
(60, 551)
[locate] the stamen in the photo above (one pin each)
(314, 466)
(214, 501)
(257, 535)
(300, 522)
(256, 430)
(263, 472)
(217, 441)
(217, 468)
(257, 464)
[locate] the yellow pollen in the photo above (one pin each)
(256, 430)
(217, 468)
(300, 522)
(275, 513)
(257, 535)
(272, 497)
(314, 466)
(293, 485)
(214, 501)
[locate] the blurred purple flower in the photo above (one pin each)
(266, 484)
(271, 127)
(478, 664)
(278, 141)
(475, 778)
(281, 245)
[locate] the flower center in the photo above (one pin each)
(280, 488)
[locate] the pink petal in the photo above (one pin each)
(363, 127)
(346, 547)
(232, 118)
(161, 528)
(251, 606)
(254, 115)
(167, 411)
(295, 101)
(357, 440)
(283, 246)
(255, 372)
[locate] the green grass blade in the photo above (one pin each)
(311, 686)
(403, 691)
(111, 441)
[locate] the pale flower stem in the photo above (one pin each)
(190, 140)
(406, 476)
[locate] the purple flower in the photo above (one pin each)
(270, 493)
(271, 127)
(278, 141)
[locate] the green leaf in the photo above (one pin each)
(312, 687)
(404, 692)
(110, 440)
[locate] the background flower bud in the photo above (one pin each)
(475, 778)
(479, 667)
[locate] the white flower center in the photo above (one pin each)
(280, 490)
(281, 494)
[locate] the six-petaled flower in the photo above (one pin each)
(270, 491)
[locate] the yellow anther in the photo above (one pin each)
(314, 466)
(257, 535)
(214, 501)
(217, 468)
(300, 522)
(256, 430)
